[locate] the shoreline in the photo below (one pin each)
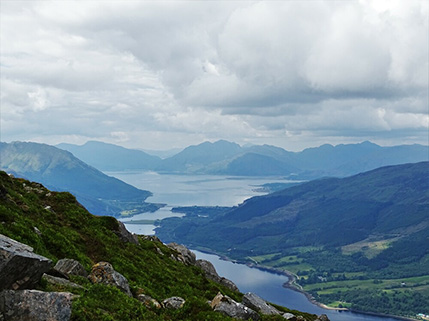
(291, 284)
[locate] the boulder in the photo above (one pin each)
(70, 267)
(256, 303)
(211, 274)
(185, 255)
(322, 317)
(20, 268)
(104, 273)
(125, 235)
(289, 316)
(32, 305)
(151, 238)
(174, 302)
(148, 301)
(60, 282)
(226, 305)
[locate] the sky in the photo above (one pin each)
(168, 74)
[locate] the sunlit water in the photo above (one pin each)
(206, 190)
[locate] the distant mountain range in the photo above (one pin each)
(227, 158)
(108, 157)
(61, 171)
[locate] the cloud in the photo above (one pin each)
(148, 73)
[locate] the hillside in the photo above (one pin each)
(57, 227)
(109, 157)
(375, 224)
(61, 171)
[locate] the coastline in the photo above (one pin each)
(292, 285)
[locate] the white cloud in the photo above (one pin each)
(259, 71)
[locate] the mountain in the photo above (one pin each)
(227, 158)
(326, 212)
(194, 159)
(61, 171)
(56, 226)
(374, 225)
(109, 157)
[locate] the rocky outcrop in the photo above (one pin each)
(32, 305)
(148, 301)
(256, 303)
(60, 282)
(104, 273)
(20, 268)
(70, 267)
(226, 305)
(184, 255)
(125, 235)
(322, 317)
(174, 302)
(211, 274)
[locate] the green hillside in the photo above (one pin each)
(373, 225)
(67, 230)
(61, 171)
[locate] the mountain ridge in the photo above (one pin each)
(61, 170)
(228, 158)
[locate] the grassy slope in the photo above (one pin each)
(69, 231)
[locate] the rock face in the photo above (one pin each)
(256, 303)
(104, 273)
(211, 274)
(32, 305)
(125, 235)
(174, 302)
(233, 309)
(70, 267)
(20, 268)
(185, 255)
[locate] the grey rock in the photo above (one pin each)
(148, 301)
(20, 268)
(256, 303)
(151, 238)
(226, 305)
(174, 302)
(322, 317)
(185, 255)
(70, 267)
(125, 235)
(60, 282)
(32, 305)
(211, 274)
(104, 273)
(289, 316)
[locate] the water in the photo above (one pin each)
(189, 190)
(269, 286)
(206, 190)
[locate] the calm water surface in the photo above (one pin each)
(270, 287)
(206, 190)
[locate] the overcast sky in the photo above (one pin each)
(166, 74)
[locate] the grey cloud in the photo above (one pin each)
(244, 71)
